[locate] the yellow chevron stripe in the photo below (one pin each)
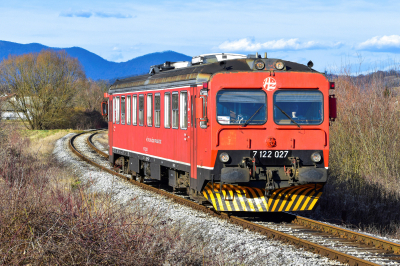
(301, 198)
(294, 196)
(228, 205)
(314, 201)
(262, 197)
(276, 194)
(213, 200)
(205, 194)
(280, 195)
(284, 201)
(220, 201)
(249, 200)
(235, 204)
(255, 198)
(238, 192)
(307, 200)
(257, 202)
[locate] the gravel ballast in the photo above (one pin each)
(226, 240)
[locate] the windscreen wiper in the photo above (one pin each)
(283, 112)
(248, 120)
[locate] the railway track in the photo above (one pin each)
(336, 243)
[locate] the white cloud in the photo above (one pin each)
(382, 44)
(88, 14)
(290, 44)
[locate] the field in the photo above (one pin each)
(48, 216)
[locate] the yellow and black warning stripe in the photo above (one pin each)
(242, 198)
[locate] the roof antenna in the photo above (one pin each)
(310, 64)
(265, 55)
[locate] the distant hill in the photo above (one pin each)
(95, 66)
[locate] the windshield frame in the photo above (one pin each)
(297, 90)
(244, 121)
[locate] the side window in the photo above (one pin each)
(175, 110)
(128, 110)
(183, 107)
(167, 110)
(141, 109)
(204, 95)
(149, 110)
(122, 109)
(134, 109)
(117, 110)
(157, 110)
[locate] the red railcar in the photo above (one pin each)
(245, 134)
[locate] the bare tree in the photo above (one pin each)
(92, 95)
(44, 84)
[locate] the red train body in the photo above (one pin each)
(245, 134)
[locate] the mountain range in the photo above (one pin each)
(95, 66)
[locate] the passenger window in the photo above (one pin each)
(141, 109)
(128, 110)
(114, 109)
(134, 113)
(175, 110)
(167, 112)
(204, 95)
(122, 109)
(183, 114)
(157, 110)
(117, 110)
(149, 110)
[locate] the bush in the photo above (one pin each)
(47, 217)
(364, 173)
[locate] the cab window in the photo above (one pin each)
(298, 107)
(241, 107)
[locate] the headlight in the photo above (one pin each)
(316, 157)
(224, 157)
(279, 65)
(260, 65)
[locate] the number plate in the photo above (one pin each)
(271, 157)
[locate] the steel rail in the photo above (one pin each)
(271, 233)
(91, 145)
(348, 234)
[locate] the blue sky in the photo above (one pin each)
(333, 34)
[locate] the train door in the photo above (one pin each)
(193, 134)
(184, 141)
(110, 124)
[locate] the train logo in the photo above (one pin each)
(269, 84)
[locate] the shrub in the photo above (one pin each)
(45, 218)
(364, 172)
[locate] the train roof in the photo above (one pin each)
(185, 73)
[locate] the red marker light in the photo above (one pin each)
(332, 85)
(205, 85)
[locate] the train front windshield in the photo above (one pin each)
(298, 107)
(241, 107)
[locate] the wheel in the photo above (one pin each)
(139, 178)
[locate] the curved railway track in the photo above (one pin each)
(367, 250)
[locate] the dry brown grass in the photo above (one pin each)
(42, 141)
(45, 222)
(364, 180)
